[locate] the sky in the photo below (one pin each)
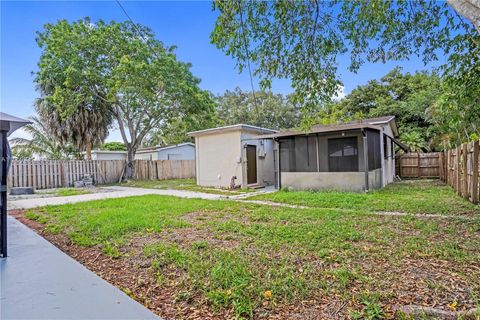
(184, 24)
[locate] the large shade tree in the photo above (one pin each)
(120, 67)
(303, 40)
(72, 114)
(265, 109)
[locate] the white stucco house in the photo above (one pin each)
(182, 151)
(222, 155)
(353, 156)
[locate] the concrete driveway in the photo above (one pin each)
(114, 192)
(38, 281)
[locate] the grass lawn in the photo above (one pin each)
(181, 184)
(64, 192)
(201, 259)
(411, 196)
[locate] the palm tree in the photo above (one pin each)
(84, 127)
(414, 140)
(42, 143)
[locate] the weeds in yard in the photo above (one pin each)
(427, 196)
(111, 249)
(232, 278)
(243, 257)
(371, 307)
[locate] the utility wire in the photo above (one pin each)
(139, 31)
(247, 55)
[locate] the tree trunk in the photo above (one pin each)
(88, 150)
(130, 162)
(469, 9)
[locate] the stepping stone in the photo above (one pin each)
(17, 191)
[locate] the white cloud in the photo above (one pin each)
(340, 93)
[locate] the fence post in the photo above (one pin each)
(458, 178)
(447, 170)
(475, 172)
(465, 170)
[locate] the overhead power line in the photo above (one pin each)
(247, 54)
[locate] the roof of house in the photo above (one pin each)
(109, 151)
(244, 127)
(377, 120)
(320, 129)
(372, 121)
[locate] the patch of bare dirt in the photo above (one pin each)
(410, 281)
(138, 282)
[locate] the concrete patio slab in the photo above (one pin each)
(38, 281)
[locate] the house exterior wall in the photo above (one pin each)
(108, 155)
(389, 160)
(184, 152)
(265, 162)
(219, 158)
(146, 155)
(341, 181)
(222, 155)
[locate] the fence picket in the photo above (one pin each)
(474, 184)
(44, 174)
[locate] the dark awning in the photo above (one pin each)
(401, 145)
(15, 122)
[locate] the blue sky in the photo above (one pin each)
(184, 24)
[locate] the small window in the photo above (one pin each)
(342, 154)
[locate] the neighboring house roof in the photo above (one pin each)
(158, 148)
(235, 127)
(148, 150)
(108, 151)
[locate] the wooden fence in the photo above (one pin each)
(459, 169)
(164, 169)
(419, 165)
(45, 174)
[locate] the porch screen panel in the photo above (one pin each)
(374, 154)
(306, 153)
(343, 154)
(298, 154)
(287, 155)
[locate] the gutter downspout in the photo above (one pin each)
(365, 158)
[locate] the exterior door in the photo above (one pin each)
(251, 164)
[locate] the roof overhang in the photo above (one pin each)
(242, 127)
(320, 130)
(402, 146)
(11, 123)
(392, 122)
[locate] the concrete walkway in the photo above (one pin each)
(115, 192)
(38, 281)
